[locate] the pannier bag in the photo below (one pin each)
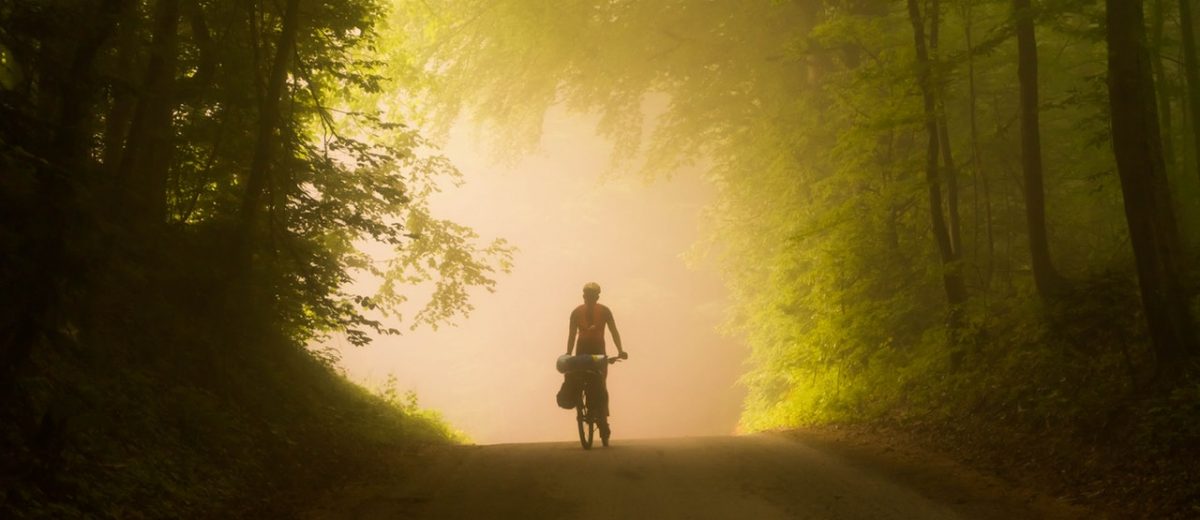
(569, 392)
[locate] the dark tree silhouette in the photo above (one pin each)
(1044, 274)
(1148, 207)
(956, 292)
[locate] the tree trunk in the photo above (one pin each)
(956, 292)
(124, 100)
(951, 175)
(1044, 276)
(977, 172)
(37, 292)
(196, 86)
(268, 123)
(1191, 68)
(1164, 90)
(1188, 155)
(77, 90)
(149, 147)
(1148, 209)
(948, 171)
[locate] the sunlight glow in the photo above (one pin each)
(493, 376)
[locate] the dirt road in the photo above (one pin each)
(762, 476)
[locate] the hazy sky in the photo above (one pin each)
(493, 375)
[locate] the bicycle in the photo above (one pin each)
(588, 368)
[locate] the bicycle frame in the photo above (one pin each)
(585, 422)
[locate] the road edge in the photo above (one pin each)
(965, 487)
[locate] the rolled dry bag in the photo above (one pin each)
(568, 363)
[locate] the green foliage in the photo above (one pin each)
(806, 114)
(808, 118)
(408, 405)
(1009, 362)
(158, 315)
(141, 446)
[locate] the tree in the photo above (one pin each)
(1163, 82)
(268, 128)
(1191, 70)
(956, 293)
(831, 170)
(1148, 207)
(116, 122)
(980, 176)
(949, 171)
(48, 114)
(1044, 274)
(149, 145)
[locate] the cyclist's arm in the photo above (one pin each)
(572, 330)
(612, 327)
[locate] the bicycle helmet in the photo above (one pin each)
(592, 287)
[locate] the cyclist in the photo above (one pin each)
(588, 322)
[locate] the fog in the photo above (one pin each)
(573, 220)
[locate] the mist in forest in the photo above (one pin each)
(573, 220)
(972, 223)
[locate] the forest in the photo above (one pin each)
(973, 221)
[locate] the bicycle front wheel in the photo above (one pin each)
(587, 428)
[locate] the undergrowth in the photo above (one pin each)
(122, 441)
(162, 397)
(1068, 385)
